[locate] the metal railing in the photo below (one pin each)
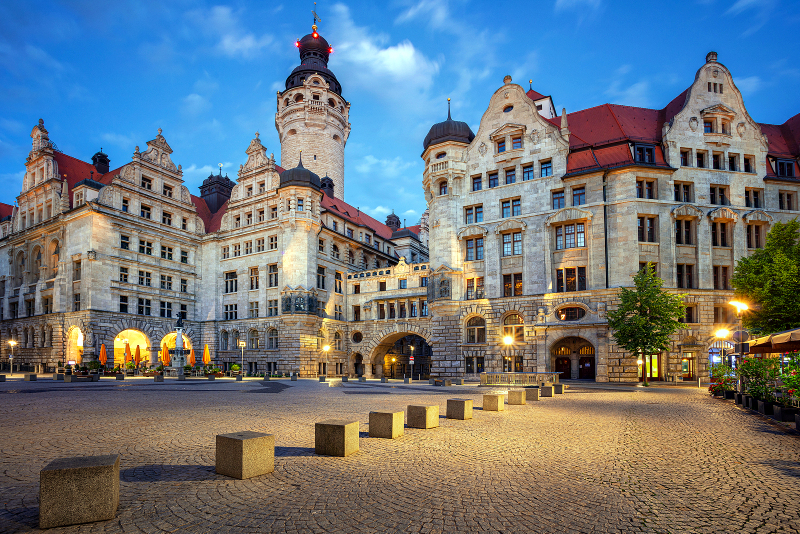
(518, 379)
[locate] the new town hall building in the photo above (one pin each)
(532, 225)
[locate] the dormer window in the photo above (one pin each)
(785, 167)
(645, 153)
(78, 199)
(168, 191)
(147, 183)
(501, 146)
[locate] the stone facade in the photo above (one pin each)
(570, 207)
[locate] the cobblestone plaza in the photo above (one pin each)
(600, 458)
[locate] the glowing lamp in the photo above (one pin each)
(330, 50)
(315, 35)
(640, 362)
(326, 348)
(740, 306)
(297, 43)
(508, 340)
(722, 333)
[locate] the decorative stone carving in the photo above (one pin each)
(535, 137)
(693, 124)
(512, 224)
(568, 214)
(256, 155)
(686, 210)
(474, 230)
(740, 129)
(724, 214)
(758, 215)
(482, 149)
(158, 153)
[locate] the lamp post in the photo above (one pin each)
(411, 364)
(325, 349)
(507, 341)
(741, 335)
(242, 345)
(11, 358)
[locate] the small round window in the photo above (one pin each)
(357, 337)
(570, 314)
(507, 109)
(440, 155)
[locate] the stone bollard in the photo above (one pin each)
(2, 378)
(336, 437)
(406, 380)
(158, 378)
(423, 416)
(345, 379)
(458, 381)
(558, 389)
(494, 402)
(448, 382)
(120, 376)
(70, 378)
(266, 377)
(66, 481)
(362, 378)
(432, 381)
(212, 377)
(388, 425)
(58, 376)
(181, 377)
(30, 378)
(323, 379)
(459, 409)
(532, 394)
(294, 377)
(384, 380)
(239, 378)
(516, 397)
(546, 391)
(245, 454)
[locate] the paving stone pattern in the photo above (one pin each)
(615, 460)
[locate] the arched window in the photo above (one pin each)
(441, 155)
(286, 102)
(235, 340)
(337, 341)
(320, 339)
(351, 258)
(43, 338)
(570, 314)
(252, 339)
(298, 98)
(514, 326)
(331, 103)
(335, 251)
(476, 330)
(24, 337)
(272, 339)
(443, 187)
(49, 336)
(224, 340)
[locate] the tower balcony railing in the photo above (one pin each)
(317, 106)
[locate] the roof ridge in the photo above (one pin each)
(621, 129)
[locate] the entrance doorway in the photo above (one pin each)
(358, 364)
(586, 368)
(650, 369)
(562, 366)
(687, 366)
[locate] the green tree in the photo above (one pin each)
(647, 315)
(770, 280)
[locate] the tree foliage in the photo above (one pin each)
(647, 315)
(770, 280)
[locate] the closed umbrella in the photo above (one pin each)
(103, 356)
(191, 358)
(128, 353)
(137, 358)
(206, 355)
(165, 355)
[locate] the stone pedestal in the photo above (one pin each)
(181, 377)
(158, 378)
(212, 377)
(423, 416)
(120, 377)
(362, 378)
(336, 437)
(266, 377)
(459, 409)
(458, 381)
(58, 376)
(448, 382)
(245, 454)
(345, 379)
(432, 381)
(384, 380)
(2, 378)
(406, 380)
(78, 490)
(546, 391)
(30, 378)
(516, 397)
(323, 379)
(388, 425)
(238, 378)
(532, 394)
(494, 402)
(294, 377)
(558, 389)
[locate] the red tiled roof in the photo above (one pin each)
(674, 106)
(784, 140)
(359, 218)
(212, 221)
(77, 170)
(6, 210)
(416, 228)
(533, 95)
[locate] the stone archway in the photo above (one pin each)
(390, 353)
(575, 357)
(74, 352)
(357, 364)
(133, 338)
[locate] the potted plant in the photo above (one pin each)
(187, 369)
(758, 375)
(723, 381)
(783, 409)
(235, 369)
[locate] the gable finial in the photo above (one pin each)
(530, 85)
(448, 109)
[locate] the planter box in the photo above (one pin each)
(730, 395)
(739, 397)
(765, 407)
(785, 413)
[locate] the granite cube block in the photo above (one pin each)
(516, 396)
(546, 391)
(336, 437)
(30, 378)
(388, 425)
(245, 454)
(494, 402)
(423, 416)
(532, 394)
(459, 409)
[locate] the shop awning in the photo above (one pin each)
(787, 341)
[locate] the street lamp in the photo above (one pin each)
(242, 345)
(411, 365)
(325, 349)
(393, 360)
(11, 358)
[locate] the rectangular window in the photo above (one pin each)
(685, 276)
(338, 282)
(123, 304)
(684, 159)
(76, 304)
(511, 176)
(124, 242)
(272, 308)
(516, 207)
(546, 169)
(166, 218)
(184, 285)
(558, 200)
(147, 183)
(423, 308)
(272, 242)
(76, 270)
(237, 250)
(248, 247)
(719, 234)
(785, 167)
(145, 278)
(144, 307)
(300, 204)
(145, 211)
(123, 275)
(527, 173)
(469, 215)
(753, 236)
(356, 313)
(645, 189)
(688, 316)
(701, 160)
(184, 311)
(382, 285)
(253, 278)
(184, 256)
(719, 195)
(716, 161)
(512, 285)
(492, 180)
(231, 282)
(166, 282)
(475, 288)
(231, 311)
(708, 126)
(166, 253)
(272, 272)
(579, 196)
(423, 281)
(249, 192)
(505, 210)
(477, 183)
(748, 165)
(645, 154)
(501, 146)
(166, 309)
(731, 163)
(184, 224)
(356, 289)
(146, 247)
(720, 277)
(683, 192)
(262, 187)
(512, 244)
(226, 253)
(320, 277)
(253, 312)
(125, 205)
(260, 244)
(785, 201)
(720, 315)
(167, 190)
(273, 212)
(403, 283)
(646, 228)
(381, 311)
(683, 232)
(516, 143)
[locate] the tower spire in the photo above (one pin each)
(448, 109)
(316, 18)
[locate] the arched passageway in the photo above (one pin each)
(574, 357)
(392, 357)
(74, 346)
(132, 338)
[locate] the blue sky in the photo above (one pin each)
(109, 74)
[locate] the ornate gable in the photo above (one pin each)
(723, 213)
(511, 224)
(757, 215)
(256, 155)
(686, 210)
(568, 214)
(473, 230)
(158, 152)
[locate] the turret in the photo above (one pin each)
(216, 190)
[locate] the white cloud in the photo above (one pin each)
(409, 213)
(384, 168)
(762, 11)
(193, 171)
(233, 39)
(126, 142)
(748, 85)
(637, 94)
(562, 5)
(436, 13)
(195, 104)
(378, 211)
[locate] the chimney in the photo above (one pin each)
(326, 185)
(101, 162)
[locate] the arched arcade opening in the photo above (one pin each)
(392, 357)
(132, 338)
(574, 358)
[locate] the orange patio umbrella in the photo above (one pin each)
(206, 355)
(103, 356)
(128, 353)
(191, 358)
(165, 355)
(137, 357)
